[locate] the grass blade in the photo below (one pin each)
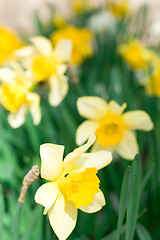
(142, 232)
(17, 222)
(125, 193)
(134, 198)
(1, 211)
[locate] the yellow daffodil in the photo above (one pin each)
(73, 184)
(113, 128)
(152, 81)
(81, 6)
(119, 8)
(48, 64)
(136, 54)
(81, 40)
(16, 97)
(58, 21)
(9, 42)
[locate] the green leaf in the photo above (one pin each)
(142, 232)
(17, 222)
(1, 211)
(134, 198)
(125, 193)
(146, 177)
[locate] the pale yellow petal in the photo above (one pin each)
(84, 130)
(25, 52)
(72, 157)
(128, 147)
(63, 50)
(51, 160)
(116, 108)
(62, 217)
(92, 107)
(58, 89)
(98, 160)
(43, 45)
(17, 118)
(139, 120)
(7, 75)
(34, 106)
(97, 147)
(96, 205)
(47, 194)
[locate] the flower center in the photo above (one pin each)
(12, 96)
(43, 67)
(110, 130)
(80, 187)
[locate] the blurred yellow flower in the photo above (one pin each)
(81, 6)
(113, 128)
(9, 42)
(16, 97)
(48, 64)
(119, 8)
(58, 21)
(136, 55)
(81, 40)
(152, 82)
(73, 184)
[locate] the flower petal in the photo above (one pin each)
(58, 89)
(92, 107)
(43, 45)
(7, 75)
(84, 130)
(63, 50)
(47, 194)
(72, 157)
(34, 105)
(63, 217)
(128, 147)
(139, 120)
(51, 160)
(96, 205)
(18, 118)
(116, 108)
(98, 160)
(25, 52)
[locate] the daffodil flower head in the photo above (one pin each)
(73, 184)
(48, 63)
(16, 97)
(81, 39)
(113, 128)
(9, 42)
(136, 54)
(119, 8)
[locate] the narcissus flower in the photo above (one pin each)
(16, 97)
(119, 8)
(9, 42)
(81, 6)
(48, 64)
(73, 184)
(136, 54)
(81, 39)
(113, 128)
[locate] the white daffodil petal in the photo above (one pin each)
(84, 130)
(139, 120)
(96, 205)
(63, 50)
(128, 147)
(97, 147)
(51, 160)
(62, 217)
(47, 194)
(58, 89)
(43, 45)
(25, 52)
(92, 107)
(7, 75)
(61, 69)
(72, 157)
(98, 160)
(18, 118)
(34, 106)
(116, 108)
